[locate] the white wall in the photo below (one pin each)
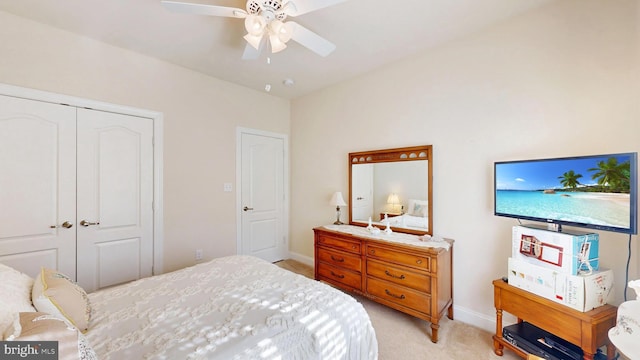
(200, 119)
(560, 81)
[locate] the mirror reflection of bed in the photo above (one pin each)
(387, 187)
(415, 217)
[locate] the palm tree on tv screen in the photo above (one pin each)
(570, 179)
(613, 176)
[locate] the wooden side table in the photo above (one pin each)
(588, 330)
(390, 215)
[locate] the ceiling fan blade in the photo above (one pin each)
(251, 53)
(311, 40)
(200, 9)
(299, 7)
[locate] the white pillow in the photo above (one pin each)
(56, 294)
(15, 288)
(418, 207)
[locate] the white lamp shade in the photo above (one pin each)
(254, 25)
(337, 200)
(283, 31)
(276, 44)
(393, 199)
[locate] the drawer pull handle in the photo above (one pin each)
(372, 251)
(354, 247)
(401, 277)
(401, 297)
(338, 260)
(337, 275)
(419, 262)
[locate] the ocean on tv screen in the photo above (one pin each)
(603, 209)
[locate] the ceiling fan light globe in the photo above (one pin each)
(282, 30)
(253, 40)
(277, 45)
(254, 25)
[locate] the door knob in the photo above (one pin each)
(65, 225)
(86, 223)
(247, 208)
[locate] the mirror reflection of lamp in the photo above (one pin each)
(393, 200)
(337, 201)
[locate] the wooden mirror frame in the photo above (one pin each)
(424, 152)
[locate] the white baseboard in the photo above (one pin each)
(479, 320)
(301, 258)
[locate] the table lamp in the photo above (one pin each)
(393, 200)
(337, 201)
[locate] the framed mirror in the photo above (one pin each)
(392, 186)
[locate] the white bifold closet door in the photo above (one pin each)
(37, 186)
(115, 198)
(76, 192)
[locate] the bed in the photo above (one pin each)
(408, 221)
(237, 307)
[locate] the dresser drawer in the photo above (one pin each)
(399, 275)
(416, 261)
(400, 295)
(349, 278)
(340, 244)
(341, 259)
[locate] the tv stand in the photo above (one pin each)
(589, 330)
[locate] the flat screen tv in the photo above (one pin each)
(597, 191)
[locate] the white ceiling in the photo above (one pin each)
(367, 33)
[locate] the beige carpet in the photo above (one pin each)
(401, 336)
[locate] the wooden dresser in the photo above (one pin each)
(406, 275)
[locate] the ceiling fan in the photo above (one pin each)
(265, 19)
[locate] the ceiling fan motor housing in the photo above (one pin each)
(269, 9)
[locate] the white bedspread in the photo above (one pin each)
(408, 221)
(237, 307)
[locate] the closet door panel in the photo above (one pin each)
(115, 194)
(37, 185)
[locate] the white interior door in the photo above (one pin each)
(37, 186)
(262, 197)
(362, 192)
(115, 198)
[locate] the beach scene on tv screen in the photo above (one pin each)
(592, 190)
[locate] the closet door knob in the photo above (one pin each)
(86, 223)
(65, 225)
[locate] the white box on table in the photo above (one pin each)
(580, 292)
(567, 252)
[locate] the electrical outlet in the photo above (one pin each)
(228, 187)
(198, 254)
